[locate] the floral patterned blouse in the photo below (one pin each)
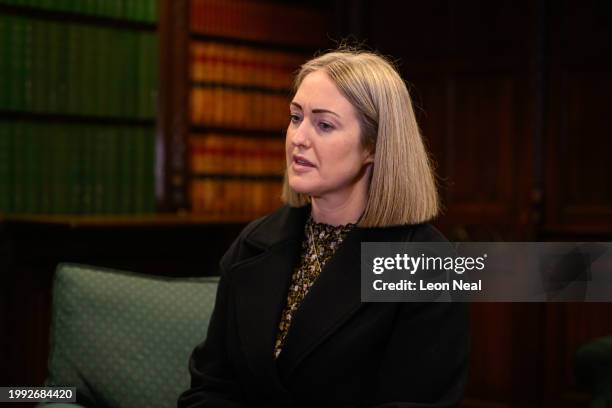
(325, 239)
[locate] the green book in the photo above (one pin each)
(99, 164)
(112, 193)
(16, 64)
(59, 61)
(73, 171)
(139, 151)
(78, 7)
(63, 5)
(4, 61)
(32, 169)
(62, 194)
(152, 5)
(95, 71)
(89, 169)
(128, 76)
(88, 80)
(114, 66)
(29, 168)
(141, 67)
(52, 167)
(5, 169)
(149, 172)
(16, 129)
(28, 56)
(122, 172)
(9, 53)
(142, 10)
(89, 7)
(44, 175)
(130, 10)
(39, 67)
(121, 56)
(154, 76)
(83, 66)
(58, 91)
(72, 68)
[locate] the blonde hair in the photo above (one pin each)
(402, 187)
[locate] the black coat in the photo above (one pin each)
(339, 352)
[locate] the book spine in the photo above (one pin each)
(60, 59)
(39, 82)
(4, 57)
(149, 172)
(142, 65)
(30, 167)
(95, 83)
(72, 68)
(46, 158)
(99, 164)
(132, 90)
(74, 177)
(5, 168)
(123, 191)
(28, 57)
(115, 171)
(88, 95)
(154, 75)
(17, 65)
(17, 154)
(57, 165)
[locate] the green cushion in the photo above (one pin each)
(124, 339)
(593, 367)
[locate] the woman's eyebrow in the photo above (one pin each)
(316, 110)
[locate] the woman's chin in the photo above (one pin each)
(300, 188)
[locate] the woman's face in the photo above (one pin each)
(325, 157)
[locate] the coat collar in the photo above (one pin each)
(262, 283)
(287, 223)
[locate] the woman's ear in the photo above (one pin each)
(368, 157)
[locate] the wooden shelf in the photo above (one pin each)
(114, 221)
(255, 133)
(263, 45)
(250, 177)
(73, 118)
(241, 88)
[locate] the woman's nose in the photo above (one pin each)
(300, 135)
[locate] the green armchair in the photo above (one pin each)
(593, 368)
(124, 339)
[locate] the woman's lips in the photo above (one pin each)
(302, 161)
(300, 164)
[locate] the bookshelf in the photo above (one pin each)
(78, 106)
(132, 107)
(238, 59)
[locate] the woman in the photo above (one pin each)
(288, 328)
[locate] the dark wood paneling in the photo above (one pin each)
(471, 76)
(578, 191)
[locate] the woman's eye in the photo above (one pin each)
(294, 118)
(325, 126)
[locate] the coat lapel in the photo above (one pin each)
(262, 284)
(333, 298)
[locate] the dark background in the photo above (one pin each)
(513, 99)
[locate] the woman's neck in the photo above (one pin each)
(340, 210)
